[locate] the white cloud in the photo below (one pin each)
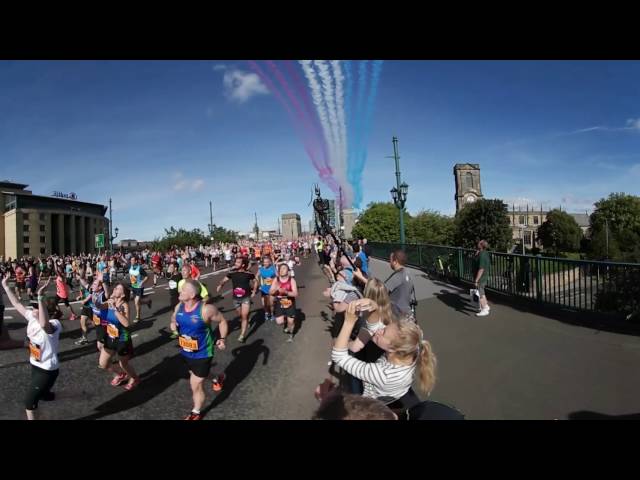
(198, 184)
(240, 86)
(633, 124)
(180, 185)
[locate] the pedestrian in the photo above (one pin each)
(481, 268)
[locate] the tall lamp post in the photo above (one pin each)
(399, 192)
(111, 236)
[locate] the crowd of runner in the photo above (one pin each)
(379, 352)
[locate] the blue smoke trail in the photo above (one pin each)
(366, 131)
(358, 130)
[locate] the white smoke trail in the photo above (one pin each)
(336, 68)
(318, 101)
(330, 99)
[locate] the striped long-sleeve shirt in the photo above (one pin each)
(380, 379)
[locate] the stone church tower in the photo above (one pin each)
(468, 188)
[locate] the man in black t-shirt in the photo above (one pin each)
(244, 288)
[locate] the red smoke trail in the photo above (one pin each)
(298, 119)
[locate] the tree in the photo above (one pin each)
(380, 222)
(182, 237)
(622, 215)
(484, 219)
(431, 227)
(560, 232)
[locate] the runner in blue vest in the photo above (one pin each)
(194, 321)
(266, 274)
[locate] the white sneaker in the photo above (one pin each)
(482, 313)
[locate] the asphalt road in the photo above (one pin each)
(267, 378)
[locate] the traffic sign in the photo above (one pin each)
(100, 240)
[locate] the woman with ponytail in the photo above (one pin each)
(406, 354)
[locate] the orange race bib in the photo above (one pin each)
(112, 330)
(188, 344)
(285, 302)
(133, 279)
(268, 281)
(35, 352)
(96, 320)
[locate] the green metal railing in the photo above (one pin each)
(576, 284)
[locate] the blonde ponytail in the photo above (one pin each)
(426, 365)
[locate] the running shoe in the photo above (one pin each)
(81, 341)
(218, 382)
(136, 320)
(241, 339)
(175, 335)
(194, 416)
(290, 339)
(130, 386)
(118, 379)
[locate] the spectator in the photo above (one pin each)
(341, 406)
(481, 267)
(405, 354)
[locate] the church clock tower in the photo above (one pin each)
(468, 190)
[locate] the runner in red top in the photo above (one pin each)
(156, 265)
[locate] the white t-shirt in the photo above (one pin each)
(227, 254)
(42, 346)
(291, 264)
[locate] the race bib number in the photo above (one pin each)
(285, 302)
(96, 320)
(188, 344)
(239, 292)
(268, 281)
(133, 279)
(35, 351)
(112, 330)
(173, 284)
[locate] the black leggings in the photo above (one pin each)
(1, 318)
(41, 383)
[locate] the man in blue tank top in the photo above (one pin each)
(193, 320)
(266, 274)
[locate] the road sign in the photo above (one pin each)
(100, 240)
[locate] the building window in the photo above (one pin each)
(535, 220)
(26, 250)
(25, 239)
(25, 227)
(521, 220)
(42, 250)
(43, 240)
(42, 217)
(527, 237)
(10, 203)
(42, 228)
(468, 181)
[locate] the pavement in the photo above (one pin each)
(521, 363)
(517, 363)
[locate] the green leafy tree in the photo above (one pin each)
(181, 237)
(622, 214)
(431, 227)
(560, 232)
(380, 222)
(484, 219)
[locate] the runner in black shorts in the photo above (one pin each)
(244, 288)
(285, 289)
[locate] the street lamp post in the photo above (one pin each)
(399, 192)
(111, 236)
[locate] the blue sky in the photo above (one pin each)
(163, 138)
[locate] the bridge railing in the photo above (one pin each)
(575, 284)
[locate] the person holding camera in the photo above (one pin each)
(482, 264)
(406, 354)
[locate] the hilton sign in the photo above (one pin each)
(71, 196)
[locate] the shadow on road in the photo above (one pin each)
(298, 321)
(154, 381)
(455, 301)
(244, 360)
(256, 322)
